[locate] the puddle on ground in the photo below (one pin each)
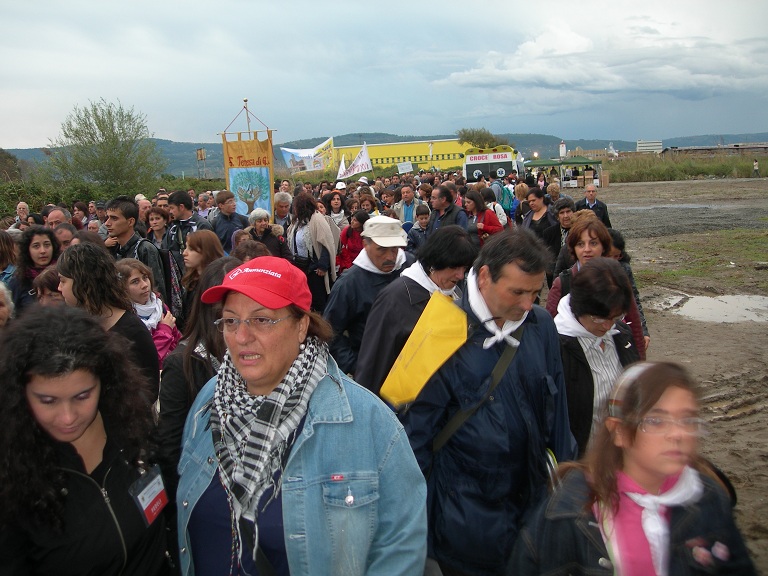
(733, 308)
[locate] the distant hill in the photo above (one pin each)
(182, 156)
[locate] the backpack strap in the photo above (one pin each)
(463, 415)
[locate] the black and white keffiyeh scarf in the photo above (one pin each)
(252, 435)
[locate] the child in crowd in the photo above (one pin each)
(418, 234)
(641, 502)
(137, 278)
(351, 241)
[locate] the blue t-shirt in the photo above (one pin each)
(210, 535)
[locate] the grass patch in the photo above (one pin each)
(728, 256)
(658, 168)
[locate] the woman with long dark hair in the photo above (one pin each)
(539, 218)
(37, 250)
(7, 257)
(75, 446)
(312, 242)
(336, 209)
(80, 213)
(88, 279)
(203, 247)
(158, 225)
(481, 222)
(195, 361)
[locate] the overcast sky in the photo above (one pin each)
(608, 70)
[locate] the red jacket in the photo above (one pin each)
(351, 244)
(490, 223)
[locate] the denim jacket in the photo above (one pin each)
(351, 445)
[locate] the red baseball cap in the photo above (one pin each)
(272, 282)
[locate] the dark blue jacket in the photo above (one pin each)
(348, 307)
(600, 210)
(478, 483)
(225, 226)
(562, 536)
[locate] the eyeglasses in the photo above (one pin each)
(255, 324)
(597, 320)
(691, 426)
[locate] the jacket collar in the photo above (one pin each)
(568, 502)
(125, 249)
(473, 322)
(329, 403)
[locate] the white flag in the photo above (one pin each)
(361, 163)
(342, 167)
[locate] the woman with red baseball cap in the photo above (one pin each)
(287, 465)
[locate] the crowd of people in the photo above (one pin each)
(190, 390)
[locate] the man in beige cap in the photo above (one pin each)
(379, 263)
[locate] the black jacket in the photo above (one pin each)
(600, 209)
(348, 307)
(176, 397)
(142, 349)
(390, 322)
(579, 386)
(552, 238)
(104, 531)
(277, 245)
(563, 536)
(452, 215)
(176, 237)
(144, 251)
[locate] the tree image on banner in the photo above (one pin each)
(251, 186)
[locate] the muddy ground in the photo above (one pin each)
(730, 359)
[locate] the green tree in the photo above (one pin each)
(106, 145)
(9, 167)
(479, 138)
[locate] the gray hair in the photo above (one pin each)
(283, 197)
(67, 214)
(256, 215)
(6, 292)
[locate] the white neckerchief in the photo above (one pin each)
(150, 313)
(365, 263)
(337, 218)
(416, 273)
(568, 325)
(480, 309)
(687, 489)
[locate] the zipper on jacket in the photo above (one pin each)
(105, 496)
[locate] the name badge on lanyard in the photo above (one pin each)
(149, 494)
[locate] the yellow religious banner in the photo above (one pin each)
(248, 170)
(440, 331)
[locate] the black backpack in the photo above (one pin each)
(172, 273)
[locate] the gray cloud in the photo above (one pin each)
(317, 69)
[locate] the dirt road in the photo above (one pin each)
(730, 359)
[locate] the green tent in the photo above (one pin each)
(578, 161)
(542, 163)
